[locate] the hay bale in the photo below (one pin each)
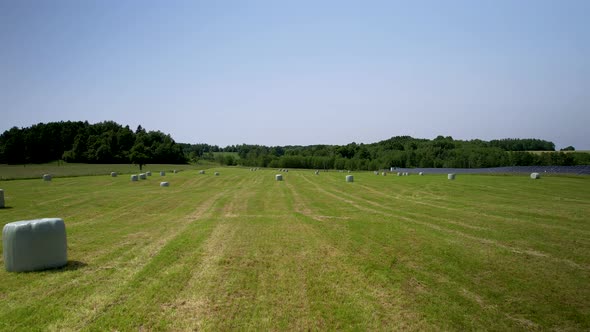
(32, 245)
(421, 173)
(201, 172)
(216, 173)
(399, 174)
(134, 177)
(535, 176)
(349, 178)
(47, 177)
(375, 172)
(114, 174)
(383, 173)
(451, 176)
(142, 176)
(148, 173)
(174, 171)
(2, 198)
(279, 177)
(164, 184)
(317, 172)
(162, 173)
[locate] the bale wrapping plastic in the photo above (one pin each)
(1, 198)
(279, 177)
(164, 184)
(535, 176)
(216, 173)
(162, 173)
(134, 177)
(142, 176)
(201, 172)
(148, 173)
(349, 178)
(46, 177)
(451, 176)
(114, 174)
(421, 173)
(32, 245)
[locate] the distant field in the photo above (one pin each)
(241, 251)
(539, 152)
(9, 172)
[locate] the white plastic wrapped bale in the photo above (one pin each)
(32, 245)
(162, 173)
(535, 176)
(383, 173)
(349, 178)
(201, 172)
(114, 174)
(451, 176)
(399, 174)
(216, 173)
(142, 176)
(164, 184)
(375, 172)
(279, 177)
(148, 173)
(1, 198)
(47, 177)
(134, 177)
(317, 172)
(421, 173)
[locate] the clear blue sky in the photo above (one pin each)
(301, 72)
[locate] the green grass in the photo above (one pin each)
(241, 251)
(61, 169)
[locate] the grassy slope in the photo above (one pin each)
(242, 251)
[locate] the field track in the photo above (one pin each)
(243, 251)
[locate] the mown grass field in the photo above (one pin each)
(61, 169)
(241, 251)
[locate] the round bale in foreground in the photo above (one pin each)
(535, 176)
(349, 178)
(32, 245)
(46, 177)
(164, 184)
(451, 176)
(134, 177)
(1, 198)
(279, 177)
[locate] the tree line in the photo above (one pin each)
(101, 143)
(109, 142)
(399, 151)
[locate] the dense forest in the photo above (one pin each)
(400, 151)
(81, 142)
(109, 142)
